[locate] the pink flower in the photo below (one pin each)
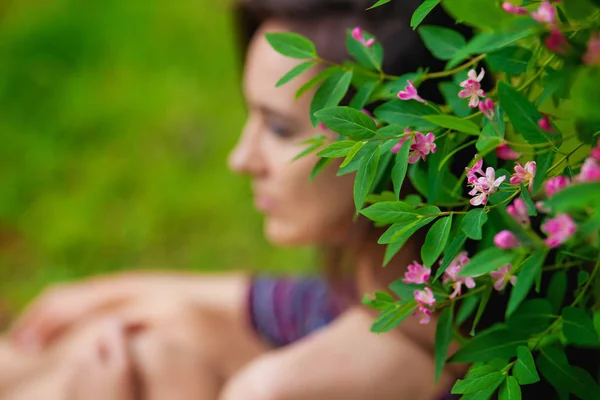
(421, 145)
(545, 124)
(518, 210)
(595, 153)
(451, 274)
(502, 277)
(524, 174)
(592, 55)
(359, 36)
(483, 186)
(506, 240)
(424, 297)
(506, 153)
(555, 185)
(590, 171)
(424, 144)
(473, 171)
(425, 315)
(472, 88)
(512, 9)
(407, 135)
(545, 14)
(323, 127)
(559, 229)
(556, 42)
(487, 108)
(416, 273)
(410, 93)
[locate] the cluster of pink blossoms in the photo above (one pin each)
(421, 145)
(502, 276)
(483, 185)
(359, 36)
(590, 170)
(524, 174)
(451, 275)
(426, 301)
(545, 14)
(472, 91)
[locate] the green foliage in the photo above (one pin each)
(532, 81)
(295, 72)
(348, 121)
(472, 223)
(330, 93)
(436, 240)
(292, 45)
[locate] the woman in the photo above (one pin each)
(185, 336)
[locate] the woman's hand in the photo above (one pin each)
(60, 307)
(103, 368)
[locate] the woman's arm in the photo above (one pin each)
(343, 361)
(59, 307)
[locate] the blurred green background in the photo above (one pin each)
(116, 118)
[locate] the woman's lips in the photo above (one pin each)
(264, 203)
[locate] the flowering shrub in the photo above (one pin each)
(527, 205)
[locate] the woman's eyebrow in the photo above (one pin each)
(276, 114)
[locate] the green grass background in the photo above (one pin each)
(116, 118)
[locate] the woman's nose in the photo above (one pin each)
(246, 157)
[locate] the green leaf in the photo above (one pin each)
(405, 291)
(402, 231)
(361, 98)
(353, 152)
(557, 290)
(368, 57)
(579, 9)
(487, 42)
(529, 204)
(400, 167)
(294, 72)
(348, 122)
(532, 317)
(330, 93)
(388, 212)
(584, 96)
(473, 222)
(458, 106)
(490, 345)
(292, 45)
(436, 240)
(578, 327)
(443, 337)
(575, 197)
(511, 60)
(510, 389)
(477, 383)
(543, 162)
(382, 301)
(488, 140)
(393, 316)
(321, 76)
(422, 11)
(319, 166)
(365, 178)
(337, 149)
(522, 113)
(483, 14)
(315, 143)
(486, 261)
(443, 43)
(554, 366)
(524, 369)
(467, 308)
(485, 298)
(406, 114)
(454, 123)
(379, 3)
(450, 253)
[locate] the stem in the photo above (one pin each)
(442, 74)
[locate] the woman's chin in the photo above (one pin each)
(286, 234)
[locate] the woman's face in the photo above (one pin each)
(297, 212)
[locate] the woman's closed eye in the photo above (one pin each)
(280, 130)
